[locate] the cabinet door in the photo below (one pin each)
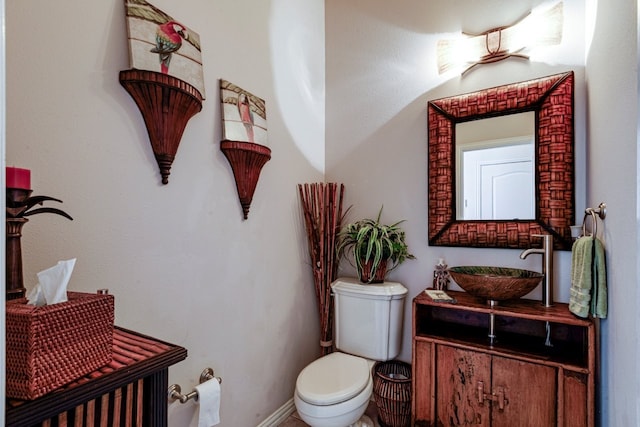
(458, 374)
(423, 383)
(528, 393)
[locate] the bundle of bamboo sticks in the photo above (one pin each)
(322, 208)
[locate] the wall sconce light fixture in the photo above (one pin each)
(540, 27)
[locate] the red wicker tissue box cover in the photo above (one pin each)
(50, 346)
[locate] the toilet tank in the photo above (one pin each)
(368, 318)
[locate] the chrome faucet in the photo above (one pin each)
(547, 266)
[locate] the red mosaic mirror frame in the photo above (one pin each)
(551, 98)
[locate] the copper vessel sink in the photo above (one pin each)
(495, 283)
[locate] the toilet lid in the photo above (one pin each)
(333, 379)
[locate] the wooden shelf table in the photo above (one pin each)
(129, 391)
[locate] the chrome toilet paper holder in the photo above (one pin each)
(175, 391)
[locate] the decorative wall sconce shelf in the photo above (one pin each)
(247, 160)
(166, 103)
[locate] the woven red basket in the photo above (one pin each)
(52, 345)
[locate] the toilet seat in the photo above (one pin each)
(334, 378)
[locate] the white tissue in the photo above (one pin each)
(52, 285)
(208, 403)
(36, 297)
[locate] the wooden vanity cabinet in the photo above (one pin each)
(460, 378)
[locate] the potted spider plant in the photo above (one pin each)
(374, 249)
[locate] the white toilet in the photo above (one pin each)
(335, 390)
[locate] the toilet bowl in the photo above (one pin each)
(334, 391)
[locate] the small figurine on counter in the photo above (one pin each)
(441, 276)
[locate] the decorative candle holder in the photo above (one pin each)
(19, 205)
(247, 160)
(14, 280)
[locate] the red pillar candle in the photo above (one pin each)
(18, 178)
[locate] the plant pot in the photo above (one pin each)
(365, 272)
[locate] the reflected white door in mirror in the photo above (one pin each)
(495, 163)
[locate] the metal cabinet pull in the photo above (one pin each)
(502, 400)
(481, 392)
(498, 397)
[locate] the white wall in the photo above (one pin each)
(183, 265)
(612, 86)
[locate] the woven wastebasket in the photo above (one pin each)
(392, 393)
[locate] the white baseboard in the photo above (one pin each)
(280, 415)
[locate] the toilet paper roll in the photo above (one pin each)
(208, 403)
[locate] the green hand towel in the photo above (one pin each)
(581, 273)
(599, 278)
(588, 293)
